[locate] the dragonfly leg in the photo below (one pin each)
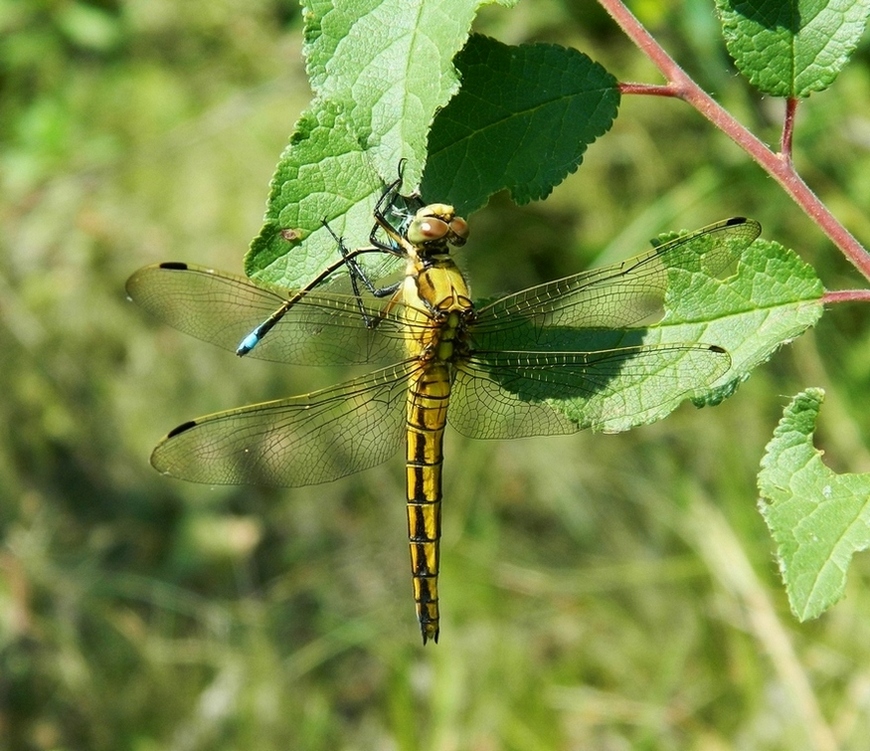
(347, 260)
(357, 275)
(386, 203)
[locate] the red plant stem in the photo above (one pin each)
(647, 88)
(846, 295)
(785, 144)
(778, 165)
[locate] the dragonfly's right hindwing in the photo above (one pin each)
(520, 394)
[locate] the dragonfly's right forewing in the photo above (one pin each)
(615, 296)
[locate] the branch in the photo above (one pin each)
(785, 144)
(846, 295)
(777, 165)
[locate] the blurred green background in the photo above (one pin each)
(599, 592)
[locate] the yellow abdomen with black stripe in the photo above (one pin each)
(436, 295)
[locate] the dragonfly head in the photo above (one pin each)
(436, 226)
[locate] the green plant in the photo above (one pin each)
(604, 591)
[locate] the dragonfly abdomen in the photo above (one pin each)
(428, 397)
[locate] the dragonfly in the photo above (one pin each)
(503, 369)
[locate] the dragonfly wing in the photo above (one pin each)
(622, 294)
(320, 329)
(517, 394)
(303, 440)
(481, 407)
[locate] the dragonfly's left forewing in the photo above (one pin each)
(321, 328)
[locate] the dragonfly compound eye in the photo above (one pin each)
(427, 229)
(437, 223)
(458, 231)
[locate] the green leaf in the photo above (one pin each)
(323, 174)
(380, 70)
(790, 49)
(818, 518)
(388, 63)
(521, 121)
(771, 298)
